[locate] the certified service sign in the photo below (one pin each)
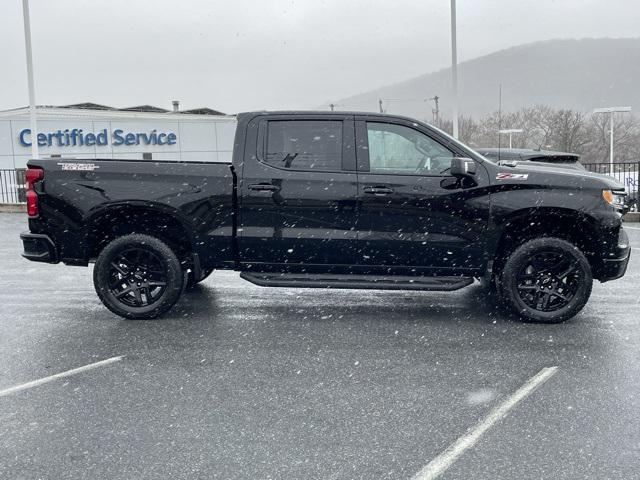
(76, 137)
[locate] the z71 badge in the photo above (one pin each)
(512, 176)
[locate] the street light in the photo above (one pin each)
(32, 96)
(611, 111)
(510, 131)
(454, 69)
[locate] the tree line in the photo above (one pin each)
(546, 128)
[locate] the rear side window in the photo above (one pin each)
(304, 145)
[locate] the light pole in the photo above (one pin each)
(436, 111)
(32, 95)
(510, 131)
(454, 69)
(611, 111)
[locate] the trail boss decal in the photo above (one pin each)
(78, 166)
(512, 176)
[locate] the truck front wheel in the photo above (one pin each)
(546, 280)
(138, 277)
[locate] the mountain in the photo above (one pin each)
(577, 74)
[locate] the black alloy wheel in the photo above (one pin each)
(546, 280)
(138, 276)
(549, 280)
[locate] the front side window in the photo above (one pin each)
(304, 144)
(401, 150)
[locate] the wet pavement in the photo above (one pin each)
(244, 382)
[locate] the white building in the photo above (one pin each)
(96, 131)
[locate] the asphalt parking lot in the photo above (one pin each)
(244, 382)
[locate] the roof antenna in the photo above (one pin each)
(499, 118)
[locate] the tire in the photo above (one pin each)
(190, 282)
(138, 277)
(546, 280)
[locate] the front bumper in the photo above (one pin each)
(616, 267)
(38, 248)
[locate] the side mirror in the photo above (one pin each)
(462, 167)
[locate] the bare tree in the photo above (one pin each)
(626, 129)
(550, 129)
(569, 133)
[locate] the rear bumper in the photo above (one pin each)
(616, 267)
(38, 248)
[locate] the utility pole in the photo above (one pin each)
(454, 69)
(32, 96)
(499, 118)
(380, 105)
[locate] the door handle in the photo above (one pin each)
(378, 190)
(264, 187)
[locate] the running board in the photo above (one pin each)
(328, 280)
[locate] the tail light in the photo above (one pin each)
(32, 176)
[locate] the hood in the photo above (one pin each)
(548, 175)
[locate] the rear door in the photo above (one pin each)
(298, 193)
(414, 216)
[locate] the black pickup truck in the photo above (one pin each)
(330, 200)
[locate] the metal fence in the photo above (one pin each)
(12, 186)
(626, 173)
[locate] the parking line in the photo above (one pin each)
(443, 461)
(68, 373)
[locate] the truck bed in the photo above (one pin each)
(78, 195)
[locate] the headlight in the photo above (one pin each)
(615, 199)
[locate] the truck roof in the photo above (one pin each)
(328, 113)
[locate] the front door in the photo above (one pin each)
(413, 215)
(298, 194)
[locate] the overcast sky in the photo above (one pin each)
(236, 55)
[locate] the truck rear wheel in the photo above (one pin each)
(138, 277)
(546, 280)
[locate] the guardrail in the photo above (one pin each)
(12, 188)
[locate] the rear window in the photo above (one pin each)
(304, 144)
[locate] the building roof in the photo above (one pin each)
(143, 108)
(137, 108)
(87, 106)
(202, 111)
